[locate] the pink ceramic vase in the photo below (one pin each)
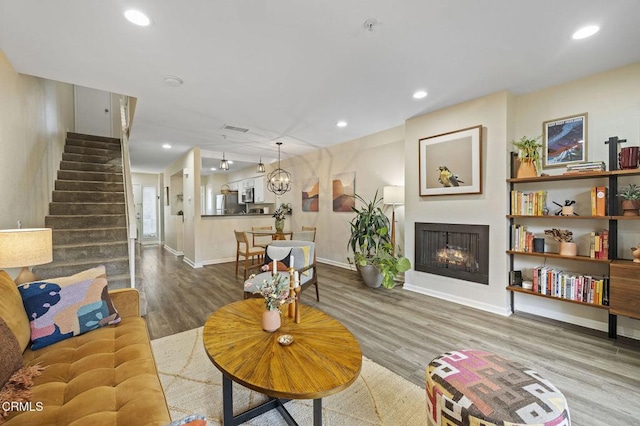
(271, 320)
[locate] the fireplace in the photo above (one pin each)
(451, 250)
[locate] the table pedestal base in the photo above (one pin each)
(229, 419)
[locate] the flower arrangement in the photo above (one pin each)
(561, 235)
(280, 211)
(275, 290)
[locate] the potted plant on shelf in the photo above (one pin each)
(529, 156)
(630, 196)
(371, 245)
(565, 238)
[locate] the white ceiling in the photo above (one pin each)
(288, 70)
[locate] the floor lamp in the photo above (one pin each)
(393, 195)
(23, 248)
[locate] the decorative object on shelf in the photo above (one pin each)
(371, 245)
(635, 252)
(630, 196)
(279, 215)
(565, 238)
(393, 195)
(23, 248)
(538, 245)
(529, 156)
(629, 157)
(567, 209)
(279, 180)
(565, 141)
(450, 163)
(275, 291)
(260, 168)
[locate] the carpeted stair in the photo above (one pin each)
(88, 212)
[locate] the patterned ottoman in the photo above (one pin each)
(475, 388)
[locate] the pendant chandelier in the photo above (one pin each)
(279, 180)
(224, 164)
(260, 168)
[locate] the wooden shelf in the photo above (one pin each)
(549, 216)
(589, 175)
(577, 302)
(558, 256)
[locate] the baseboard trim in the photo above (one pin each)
(172, 251)
(215, 261)
(334, 263)
(459, 300)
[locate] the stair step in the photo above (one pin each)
(81, 209)
(90, 167)
(123, 281)
(114, 266)
(79, 185)
(71, 236)
(94, 144)
(99, 159)
(87, 197)
(91, 250)
(85, 137)
(88, 221)
(110, 153)
(89, 176)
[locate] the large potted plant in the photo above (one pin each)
(630, 196)
(529, 156)
(371, 245)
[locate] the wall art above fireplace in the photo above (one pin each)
(453, 250)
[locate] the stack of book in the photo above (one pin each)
(521, 239)
(599, 201)
(582, 288)
(589, 167)
(599, 245)
(528, 204)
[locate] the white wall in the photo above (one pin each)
(488, 208)
(36, 114)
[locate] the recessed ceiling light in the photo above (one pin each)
(137, 17)
(173, 81)
(166, 146)
(585, 32)
(213, 169)
(341, 124)
(420, 94)
(230, 161)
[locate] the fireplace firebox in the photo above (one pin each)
(452, 250)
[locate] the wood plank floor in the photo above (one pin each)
(403, 331)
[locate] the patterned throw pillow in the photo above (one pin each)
(282, 256)
(10, 353)
(64, 307)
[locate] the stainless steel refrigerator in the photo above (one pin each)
(228, 203)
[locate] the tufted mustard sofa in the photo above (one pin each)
(107, 376)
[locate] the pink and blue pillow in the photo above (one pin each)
(64, 307)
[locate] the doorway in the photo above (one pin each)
(146, 206)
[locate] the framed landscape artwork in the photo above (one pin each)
(344, 188)
(451, 163)
(564, 141)
(310, 194)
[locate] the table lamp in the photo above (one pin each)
(23, 248)
(393, 195)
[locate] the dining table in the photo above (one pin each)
(275, 234)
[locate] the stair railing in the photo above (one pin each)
(132, 231)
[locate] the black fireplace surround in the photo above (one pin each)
(452, 250)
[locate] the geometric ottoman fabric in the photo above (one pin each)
(476, 388)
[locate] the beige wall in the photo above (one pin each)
(36, 114)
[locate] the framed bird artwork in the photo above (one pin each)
(451, 163)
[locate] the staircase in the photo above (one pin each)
(88, 212)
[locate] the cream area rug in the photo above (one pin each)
(193, 385)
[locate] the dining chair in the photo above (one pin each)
(308, 233)
(261, 238)
(247, 252)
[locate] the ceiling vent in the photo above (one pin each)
(234, 128)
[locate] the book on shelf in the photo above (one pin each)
(599, 244)
(528, 203)
(521, 239)
(565, 285)
(588, 167)
(599, 197)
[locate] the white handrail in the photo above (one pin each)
(132, 231)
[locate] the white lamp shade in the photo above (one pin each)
(25, 247)
(393, 195)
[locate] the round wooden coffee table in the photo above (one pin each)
(324, 358)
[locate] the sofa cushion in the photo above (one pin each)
(64, 307)
(12, 310)
(10, 353)
(105, 377)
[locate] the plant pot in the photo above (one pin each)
(526, 170)
(371, 275)
(279, 225)
(568, 249)
(630, 207)
(271, 320)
